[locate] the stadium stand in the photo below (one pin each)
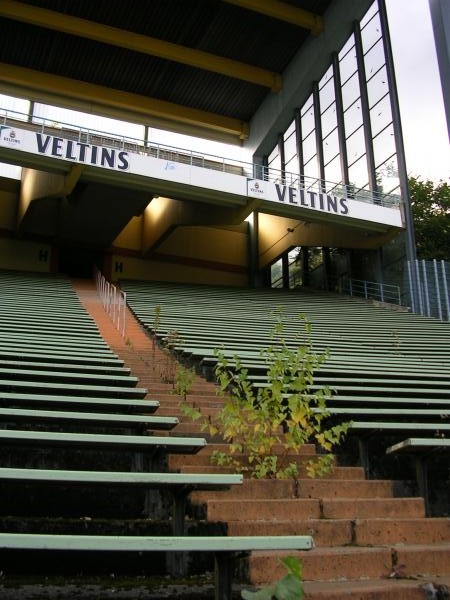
(51, 306)
(388, 370)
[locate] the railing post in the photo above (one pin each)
(426, 291)
(365, 290)
(444, 282)
(438, 291)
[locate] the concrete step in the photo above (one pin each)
(336, 532)
(359, 532)
(228, 510)
(355, 473)
(200, 459)
(302, 488)
(371, 589)
(321, 564)
(401, 531)
(356, 563)
(353, 508)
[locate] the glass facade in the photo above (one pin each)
(343, 134)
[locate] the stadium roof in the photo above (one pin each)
(184, 65)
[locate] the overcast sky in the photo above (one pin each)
(420, 94)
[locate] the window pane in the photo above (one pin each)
(329, 120)
(330, 146)
(377, 86)
(333, 172)
(350, 91)
(371, 33)
(326, 77)
(307, 121)
(348, 65)
(384, 145)
(387, 176)
(380, 115)
(358, 175)
(353, 118)
(374, 59)
(290, 147)
(309, 146)
(326, 95)
(311, 171)
(292, 168)
(356, 145)
(372, 10)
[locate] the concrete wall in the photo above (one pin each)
(25, 256)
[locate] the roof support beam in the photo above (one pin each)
(37, 82)
(105, 34)
(283, 12)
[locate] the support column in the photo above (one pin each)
(318, 134)
(365, 110)
(254, 274)
(340, 120)
(399, 147)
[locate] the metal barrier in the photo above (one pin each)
(114, 301)
(371, 290)
(429, 284)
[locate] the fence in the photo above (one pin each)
(114, 301)
(429, 284)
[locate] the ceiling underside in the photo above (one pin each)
(204, 65)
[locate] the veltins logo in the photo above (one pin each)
(255, 188)
(9, 136)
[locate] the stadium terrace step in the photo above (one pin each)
(134, 443)
(106, 404)
(266, 509)
(360, 528)
(67, 368)
(368, 589)
(59, 388)
(28, 416)
(342, 508)
(305, 488)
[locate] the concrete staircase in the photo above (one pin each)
(370, 545)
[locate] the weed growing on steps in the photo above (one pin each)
(184, 380)
(266, 427)
(289, 587)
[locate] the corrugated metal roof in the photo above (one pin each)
(209, 25)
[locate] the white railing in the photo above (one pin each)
(114, 301)
(196, 159)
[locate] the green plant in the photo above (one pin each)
(169, 364)
(155, 325)
(184, 379)
(290, 587)
(266, 429)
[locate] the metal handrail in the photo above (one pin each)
(114, 301)
(198, 159)
(371, 290)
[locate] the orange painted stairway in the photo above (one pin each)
(370, 545)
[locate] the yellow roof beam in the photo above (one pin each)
(49, 19)
(283, 12)
(96, 95)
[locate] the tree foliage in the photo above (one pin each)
(431, 213)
